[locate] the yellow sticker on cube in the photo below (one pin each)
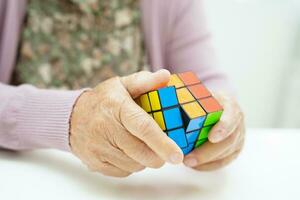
(158, 117)
(175, 81)
(154, 101)
(145, 104)
(193, 110)
(184, 95)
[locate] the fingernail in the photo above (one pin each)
(218, 136)
(191, 162)
(175, 158)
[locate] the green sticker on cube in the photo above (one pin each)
(200, 142)
(213, 118)
(204, 132)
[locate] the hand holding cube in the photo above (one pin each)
(111, 134)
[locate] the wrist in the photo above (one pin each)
(77, 117)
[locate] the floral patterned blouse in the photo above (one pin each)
(71, 44)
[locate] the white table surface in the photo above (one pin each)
(268, 168)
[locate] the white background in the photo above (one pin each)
(268, 168)
(258, 44)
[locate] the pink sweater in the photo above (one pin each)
(176, 38)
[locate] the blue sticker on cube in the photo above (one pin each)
(173, 118)
(187, 149)
(178, 136)
(192, 136)
(195, 124)
(168, 97)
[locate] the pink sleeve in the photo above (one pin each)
(35, 118)
(189, 46)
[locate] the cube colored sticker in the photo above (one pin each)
(154, 101)
(184, 95)
(188, 149)
(192, 136)
(204, 132)
(189, 78)
(173, 118)
(145, 103)
(168, 97)
(175, 81)
(159, 118)
(200, 142)
(178, 136)
(199, 91)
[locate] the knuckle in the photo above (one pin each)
(143, 123)
(135, 116)
(113, 101)
(144, 126)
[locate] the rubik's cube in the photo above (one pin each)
(185, 110)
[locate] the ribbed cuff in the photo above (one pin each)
(44, 117)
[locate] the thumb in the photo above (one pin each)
(144, 81)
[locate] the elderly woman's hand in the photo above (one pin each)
(226, 139)
(111, 134)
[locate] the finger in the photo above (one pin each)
(210, 151)
(230, 119)
(144, 81)
(107, 169)
(217, 164)
(237, 146)
(139, 151)
(141, 125)
(117, 158)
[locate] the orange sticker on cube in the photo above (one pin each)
(189, 78)
(199, 91)
(210, 104)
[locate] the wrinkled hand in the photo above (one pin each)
(111, 134)
(226, 139)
